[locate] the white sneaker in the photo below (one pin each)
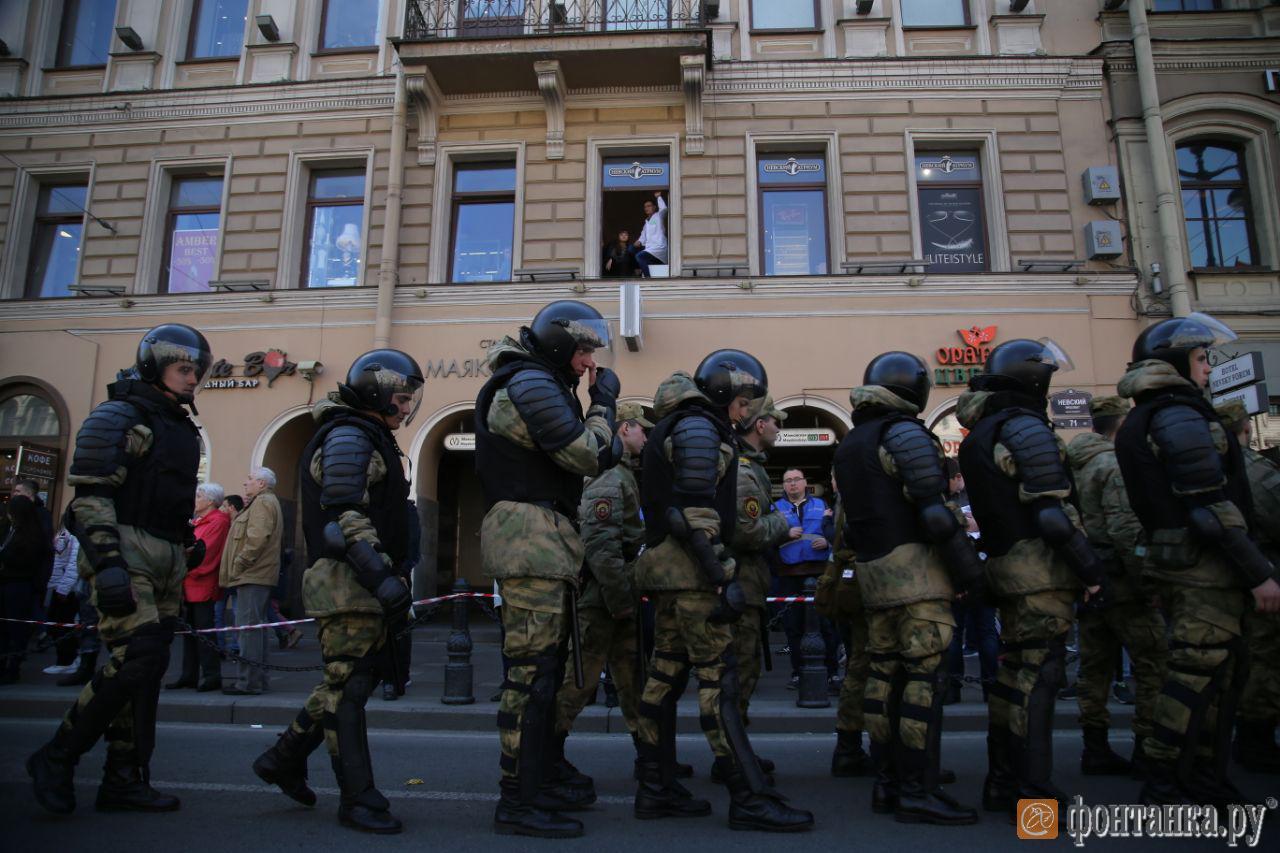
(54, 669)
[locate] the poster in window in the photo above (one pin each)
(952, 229)
(191, 258)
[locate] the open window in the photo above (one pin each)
(629, 187)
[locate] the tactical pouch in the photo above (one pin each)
(1173, 548)
(848, 598)
(824, 599)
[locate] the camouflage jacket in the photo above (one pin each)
(1109, 522)
(527, 540)
(1264, 484)
(668, 565)
(760, 526)
(838, 595)
(613, 534)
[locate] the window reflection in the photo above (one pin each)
(217, 28)
(483, 222)
(1215, 205)
(84, 37)
(335, 215)
(793, 209)
(349, 24)
(27, 415)
(55, 240)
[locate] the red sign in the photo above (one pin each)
(960, 364)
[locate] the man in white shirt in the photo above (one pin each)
(651, 248)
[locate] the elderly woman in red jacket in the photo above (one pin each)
(200, 591)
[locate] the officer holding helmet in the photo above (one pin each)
(134, 475)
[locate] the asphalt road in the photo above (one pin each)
(443, 786)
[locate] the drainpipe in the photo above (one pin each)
(1168, 211)
(389, 270)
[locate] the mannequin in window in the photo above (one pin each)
(344, 268)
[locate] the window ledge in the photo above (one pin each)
(56, 68)
(346, 51)
(918, 27)
(207, 60)
(787, 31)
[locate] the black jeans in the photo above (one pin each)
(199, 660)
(63, 608)
(16, 602)
(793, 625)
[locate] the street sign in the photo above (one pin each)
(460, 441)
(806, 438)
(1240, 370)
(1253, 396)
(1069, 409)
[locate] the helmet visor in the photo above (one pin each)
(1201, 330)
(415, 388)
(1051, 352)
(594, 334)
(167, 353)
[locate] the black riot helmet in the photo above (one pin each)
(559, 329)
(168, 344)
(902, 373)
(376, 377)
(1172, 340)
(730, 373)
(1028, 365)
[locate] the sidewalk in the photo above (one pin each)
(773, 709)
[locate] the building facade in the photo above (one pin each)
(307, 179)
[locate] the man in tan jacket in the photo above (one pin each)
(251, 568)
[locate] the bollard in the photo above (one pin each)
(813, 653)
(459, 674)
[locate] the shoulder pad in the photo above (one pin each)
(100, 443)
(915, 453)
(695, 456)
(1186, 447)
(540, 401)
(1036, 452)
(344, 467)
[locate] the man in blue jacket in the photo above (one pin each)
(803, 557)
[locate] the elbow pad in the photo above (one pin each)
(699, 545)
(1243, 553)
(370, 569)
(609, 455)
(939, 522)
(1071, 544)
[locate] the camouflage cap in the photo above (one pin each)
(1101, 407)
(1232, 412)
(633, 412)
(763, 407)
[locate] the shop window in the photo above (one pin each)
(784, 14)
(484, 210)
(31, 443)
(1187, 5)
(1215, 205)
(952, 218)
(627, 183)
(935, 13)
(56, 238)
(349, 24)
(793, 214)
(84, 36)
(333, 242)
(217, 28)
(191, 233)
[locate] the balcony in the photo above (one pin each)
(481, 46)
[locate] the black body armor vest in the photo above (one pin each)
(1001, 515)
(657, 481)
(877, 514)
(159, 491)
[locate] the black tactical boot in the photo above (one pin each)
(764, 811)
(1161, 787)
(285, 764)
(82, 674)
(366, 810)
(884, 790)
(656, 799)
(1000, 785)
(562, 773)
(514, 816)
(766, 767)
(1138, 761)
(849, 759)
(1255, 748)
(127, 787)
(920, 799)
(1209, 788)
(52, 770)
(1034, 766)
(1098, 759)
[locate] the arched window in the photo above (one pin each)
(26, 415)
(1215, 204)
(32, 441)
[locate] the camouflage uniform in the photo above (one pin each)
(1129, 620)
(839, 587)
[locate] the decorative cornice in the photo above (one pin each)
(424, 94)
(1199, 64)
(693, 73)
(551, 85)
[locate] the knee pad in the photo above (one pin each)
(1054, 663)
(146, 655)
(358, 686)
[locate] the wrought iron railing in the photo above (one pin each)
(427, 20)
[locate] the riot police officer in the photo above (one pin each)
(1020, 490)
(134, 475)
(1188, 485)
(688, 478)
(354, 500)
(912, 554)
(533, 449)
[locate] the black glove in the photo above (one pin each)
(195, 554)
(605, 390)
(115, 592)
(394, 597)
(1098, 601)
(733, 603)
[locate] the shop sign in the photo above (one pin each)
(1069, 409)
(38, 463)
(461, 442)
(1254, 397)
(962, 363)
(272, 364)
(805, 438)
(1241, 370)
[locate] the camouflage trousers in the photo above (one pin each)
(1261, 697)
(1204, 667)
(1140, 629)
(347, 641)
(156, 570)
(905, 646)
(536, 626)
(746, 651)
(1030, 626)
(605, 640)
(851, 621)
(684, 639)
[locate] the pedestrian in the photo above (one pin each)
(24, 552)
(913, 556)
(619, 262)
(1129, 622)
(224, 609)
(1021, 494)
(651, 247)
(1188, 484)
(688, 492)
(250, 567)
(134, 474)
(201, 664)
(608, 606)
(533, 449)
(803, 556)
(354, 497)
(64, 602)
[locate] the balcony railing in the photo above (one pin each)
(427, 20)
